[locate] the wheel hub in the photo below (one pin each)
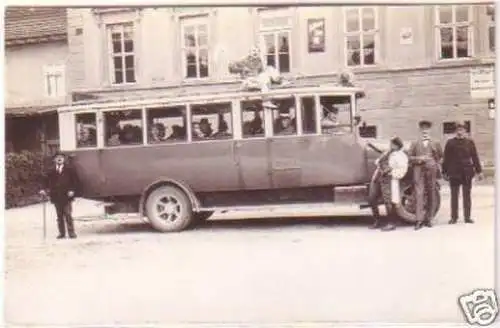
(170, 208)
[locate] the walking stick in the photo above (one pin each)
(44, 218)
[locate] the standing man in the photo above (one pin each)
(61, 184)
(425, 155)
(391, 167)
(460, 165)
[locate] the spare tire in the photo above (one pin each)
(406, 211)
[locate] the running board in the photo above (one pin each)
(278, 207)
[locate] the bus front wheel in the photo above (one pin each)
(169, 209)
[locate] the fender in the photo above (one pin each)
(167, 181)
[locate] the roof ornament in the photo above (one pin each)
(255, 76)
(346, 79)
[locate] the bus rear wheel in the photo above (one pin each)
(169, 209)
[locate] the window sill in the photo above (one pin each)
(455, 62)
(489, 59)
(365, 69)
(208, 81)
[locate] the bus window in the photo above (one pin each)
(123, 127)
(284, 118)
(253, 119)
(212, 121)
(308, 107)
(86, 130)
(336, 114)
(166, 124)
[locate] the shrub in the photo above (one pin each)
(23, 177)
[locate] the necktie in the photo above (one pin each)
(59, 169)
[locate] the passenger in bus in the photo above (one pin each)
(255, 126)
(222, 131)
(130, 134)
(329, 123)
(114, 136)
(284, 124)
(157, 133)
(87, 137)
(178, 133)
(202, 129)
(205, 128)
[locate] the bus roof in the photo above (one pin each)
(185, 97)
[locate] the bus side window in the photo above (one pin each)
(308, 107)
(253, 119)
(336, 114)
(285, 118)
(123, 127)
(212, 121)
(86, 130)
(166, 124)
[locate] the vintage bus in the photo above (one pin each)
(177, 159)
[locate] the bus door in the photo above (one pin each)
(329, 151)
(284, 150)
(251, 151)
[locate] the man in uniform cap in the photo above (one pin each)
(61, 184)
(460, 165)
(425, 155)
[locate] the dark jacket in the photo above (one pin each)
(460, 158)
(58, 184)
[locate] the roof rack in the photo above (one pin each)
(164, 97)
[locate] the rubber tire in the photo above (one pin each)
(181, 223)
(409, 217)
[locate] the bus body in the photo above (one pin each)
(175, 160)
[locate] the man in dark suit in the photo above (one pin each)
(61, 184)
(425, 155)
(460, 165)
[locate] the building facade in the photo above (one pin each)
(414, 62)
(36, 52)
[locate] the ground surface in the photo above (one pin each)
(274, 270)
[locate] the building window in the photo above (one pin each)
(123, 127)
(275, 36)
(449, 127)
(54, 81)
(122, 58)
(361, 40)
(195, 47)
(368, 131)
(212, 121)
(454, 31)
(490, 11)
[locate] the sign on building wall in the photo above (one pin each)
(482, 82)
(406, 35)
(491, 108)
(316, 34)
